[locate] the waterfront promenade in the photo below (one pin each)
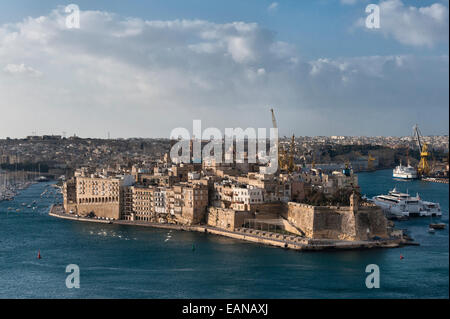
(251, 235)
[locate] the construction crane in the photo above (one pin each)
(423, 168)
(274, 121)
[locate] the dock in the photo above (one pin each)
(435, 180)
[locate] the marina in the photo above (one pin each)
(13, 182)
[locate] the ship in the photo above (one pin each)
(405, 172)
(402, 205)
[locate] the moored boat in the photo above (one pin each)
(400, 205)
(405, 172)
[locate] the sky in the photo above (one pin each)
(143, 68)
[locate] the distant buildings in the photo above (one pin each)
(135, 180)
(229, 196)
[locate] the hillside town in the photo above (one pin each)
(297, 207)
(57, 155)
(313, 195)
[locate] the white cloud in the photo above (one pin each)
(414, 26)
(273, 7)
(142, 78)
(17, 69)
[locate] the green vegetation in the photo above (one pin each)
(341, 197)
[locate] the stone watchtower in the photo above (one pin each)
(354, 202)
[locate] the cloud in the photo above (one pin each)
(136, 77)
(273, 7)
(413, 26)
(18, 69)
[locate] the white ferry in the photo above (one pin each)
(405, 172)
(397, 204)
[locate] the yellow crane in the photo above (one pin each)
(423, 168)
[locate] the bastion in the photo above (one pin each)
(355, 222)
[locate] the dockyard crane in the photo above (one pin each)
(423, 168)
(274, 121)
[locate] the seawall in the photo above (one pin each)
(254, 236)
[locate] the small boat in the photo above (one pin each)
(437, 226)
(39, 254)
(431, 230)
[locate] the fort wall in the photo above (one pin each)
(340, 223)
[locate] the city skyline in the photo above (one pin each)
(141, 70)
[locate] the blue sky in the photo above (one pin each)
(325, 73)
(319, 27)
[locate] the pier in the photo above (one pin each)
(436, 180)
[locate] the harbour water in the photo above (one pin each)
(132, 262)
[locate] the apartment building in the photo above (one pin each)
(246, 196)
(96, 195)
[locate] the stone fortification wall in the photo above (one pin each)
(341, 223)
(227, 218)
(110, 210)
(302, 216)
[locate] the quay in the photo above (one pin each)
(251, 235)
(436, 180)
